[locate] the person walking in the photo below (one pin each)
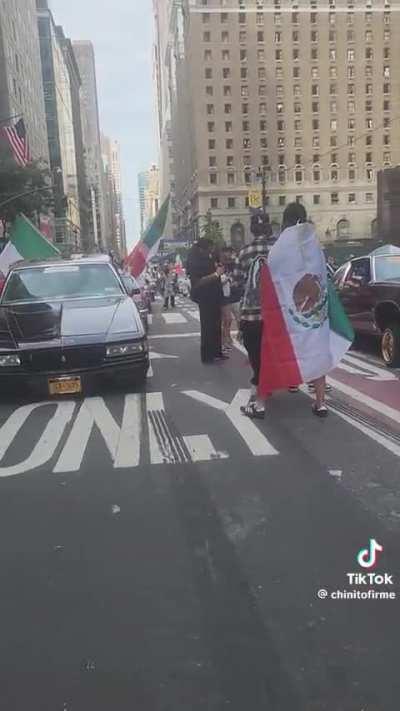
(168, 289)
(208, 293)
(251, 324)
(200, 262)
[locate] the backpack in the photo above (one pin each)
(251, 300)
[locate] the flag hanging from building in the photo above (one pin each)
(148, 246)
(306, 331)
(17, 139)
(25, 242)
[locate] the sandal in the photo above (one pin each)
(251, 410)
(320, 411)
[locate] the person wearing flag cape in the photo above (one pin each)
(306, 332)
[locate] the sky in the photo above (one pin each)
(122, 35)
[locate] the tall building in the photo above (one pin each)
(143, 183)
(82, 183)
(112, 166)
(85, 56)
(149, 196)
(21, 87)
(60, 130)
(307, 93)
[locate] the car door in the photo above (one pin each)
(357, 294)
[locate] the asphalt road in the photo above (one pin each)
(160, 552)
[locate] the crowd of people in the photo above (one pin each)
(223, 286)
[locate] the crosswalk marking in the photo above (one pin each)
(202, 449)
(166, 447)
(194, 314)
(174, 318)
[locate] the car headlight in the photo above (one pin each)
(8, 361)
(125, 349)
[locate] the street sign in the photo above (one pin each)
(255, 199)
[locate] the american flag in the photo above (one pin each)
(18, 141)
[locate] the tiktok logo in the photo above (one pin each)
(367, 556)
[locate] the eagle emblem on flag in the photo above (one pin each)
(310, 300)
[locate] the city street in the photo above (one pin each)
(161, 552)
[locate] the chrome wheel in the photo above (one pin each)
(388, 346)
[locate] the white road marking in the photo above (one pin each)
(381, 373)
(372, 434)
(150, 319)
(174, 318)
(156, 337)
(47, 444)
(202, 449)
(165, 446)
(162, 356)
(123, 443)
(254, 439)
(370, 402)
(194, 314)
(150, 372)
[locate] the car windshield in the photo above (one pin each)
(387, 268)
(61, 282)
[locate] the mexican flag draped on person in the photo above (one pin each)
(136, 262)
(306, 331)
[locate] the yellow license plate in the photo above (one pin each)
(65, 386)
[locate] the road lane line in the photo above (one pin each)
(382, 373)
(166, 446)
(156, 337)
(128, 449)
(174, 318)
(47, 444)
(194, 315)
(370, 402)
(202, 449)
(255, 440)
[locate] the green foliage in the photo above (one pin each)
(212, 230)
(15, 180)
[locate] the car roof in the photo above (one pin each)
(38, 264)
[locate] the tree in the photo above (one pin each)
(15, 180)
(212, 230)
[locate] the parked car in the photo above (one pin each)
(370, 291)
(138, 295)
(65, 324)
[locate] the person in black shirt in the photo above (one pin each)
(208, 294)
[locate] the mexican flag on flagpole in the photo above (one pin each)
(25, 242)
(306, 331)
(148, 246)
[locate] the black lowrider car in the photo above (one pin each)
(369, 288)
(63, 324)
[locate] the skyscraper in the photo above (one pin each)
(60, 130)
(21, 86)
(149, 196)
(306, 94)
(143, 183)
(85, 56)
(112, 168)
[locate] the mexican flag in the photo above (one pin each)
(148, 246)
(25, 242)
(306, 331)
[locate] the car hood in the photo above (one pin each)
(69, 323)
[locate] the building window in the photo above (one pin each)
(316, 175)
(386, 72)
(352, 198)
(245, 108)
(387, 158)
(386, 140)
(314, 36)
(226, 55)
(246, 126)
(211, 126)
(315, 124)
(209, 90)
(260, 36)
(313, 18)
(368, 36)
(206, 17)
(351, 55)
(213, 178)
(244, 91)
(334, 175)
(228, 126)
(295, 36)
(231, 203)
(368, 105)
(210, 109)
(261, 55)
(262, 90)
(279, 72)
(297, 125)
(262, 73)
(351, 72)
(229, 161)
(214, 203)
(332, 54)
(315, 107)
(297, 107)
(386, 88)
(228, 108)
(352, 175)
(350, 35)
(278, 55)
(351, 141)
(315, 141)
(333, 107)
(260, 18)
(242, 36)
(333, 72)
(281, 142)
(314, 73)
(211, 144)
(224, 17)
(212, 161)
(298, 143)
(243, 55)
(242, 18)
(369, 197)
(332, 36)
(314, 90)
(350, 89)
(263, 108)
(333, 141)
(368, 157)
(264, 142)
(246, 143)
(208, 73)
(334, 198)
(263, 125)
(282, 200)
(280, 125)
(226, 72)
(351, 107)
(316, 199)
(314, 53)
(277, 18)
(333, 89)
(229, 143)
(206, 36)
(295, 18)
(386, 105)
(296, 54)
(231, 178)
(369, 53)
(351, 124)
(368, 140)
(207, 55)
(369, 174)
(333, 124)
